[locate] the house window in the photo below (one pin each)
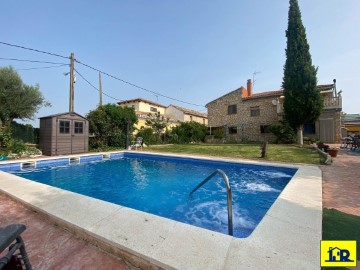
(153, 109)
(232, 130)
(203, 121)
(232, 109)
(254, 111)
(264, 129)
(309, 128)
(79, 127)
(191, 118)
(64, 127)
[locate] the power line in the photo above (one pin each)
(137, 86)
(42, 67)
(32, 61)
(111, 76)
(94, 86)
(35, 50)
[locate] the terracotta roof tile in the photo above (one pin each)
(265, 94)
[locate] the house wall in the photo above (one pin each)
(175, 113)
(251, 125)
(144, 107)
(195, 118)
(217, 110)
(335, 118)
(248, 127)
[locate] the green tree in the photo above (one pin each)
(148, 134)
(17, 99)
(303, 102)
(157, 123)
(109, 125)
(188, 132)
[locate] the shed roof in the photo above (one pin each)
(60, 114)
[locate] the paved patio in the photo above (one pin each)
(341, 182)
(50, 247)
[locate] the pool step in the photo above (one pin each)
(74, 160)
(27, 165)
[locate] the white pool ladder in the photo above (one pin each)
(229, 196)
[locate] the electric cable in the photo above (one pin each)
(94, 86)
(42, 67)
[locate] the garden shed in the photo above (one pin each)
(63, 134)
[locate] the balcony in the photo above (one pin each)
(333, 103)
(330, 103)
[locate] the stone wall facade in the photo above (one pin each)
(243, 125)
(239, 124)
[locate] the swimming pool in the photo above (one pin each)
(161, 185)
(287, 237)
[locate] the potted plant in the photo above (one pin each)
(333, 151)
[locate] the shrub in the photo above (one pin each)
(284, 132)
(148, 135)
(17, 146)
(218, 133)
(188, 132)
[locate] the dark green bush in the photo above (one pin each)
(284, 132)
(188, 132)
(148, 135)
(17, 146)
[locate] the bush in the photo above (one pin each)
(188, 132)
(109, 124)
(148, 135)
(218, 133)
(284, 132)
(17, 146)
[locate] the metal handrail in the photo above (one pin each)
(229, 196)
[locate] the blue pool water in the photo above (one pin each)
(161, 186)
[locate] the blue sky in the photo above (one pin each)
(194, 51)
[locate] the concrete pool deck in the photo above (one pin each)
(288, 237)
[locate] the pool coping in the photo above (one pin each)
(288, 237)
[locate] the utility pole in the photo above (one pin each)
(72, 81)
(100, 89)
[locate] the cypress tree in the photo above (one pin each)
(303, 102)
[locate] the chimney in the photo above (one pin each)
(249, 87)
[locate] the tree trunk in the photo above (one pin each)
(300, 135)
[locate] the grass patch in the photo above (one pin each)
(341, 226)
(275, 152)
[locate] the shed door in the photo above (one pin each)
(63, 137)
(70, 138)
(78, 136)
(327, 130)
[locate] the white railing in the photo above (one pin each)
(329, 103)
(333, 102)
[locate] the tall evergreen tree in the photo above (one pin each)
(303, 102)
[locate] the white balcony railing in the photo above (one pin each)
(332, 103)
(329, 103)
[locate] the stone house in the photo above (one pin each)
(171, 115)
(246, 116)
